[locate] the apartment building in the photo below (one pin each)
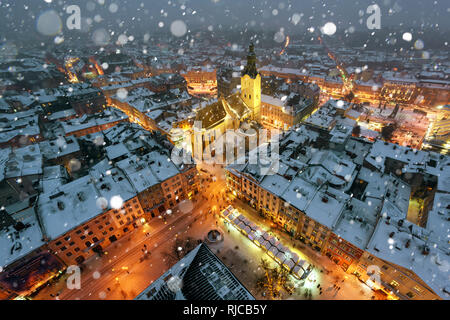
(354, 210)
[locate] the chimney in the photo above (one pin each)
(407, 243)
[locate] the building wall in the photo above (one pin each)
(20, 141)
(152, 201)
(89, 103)
(275, 117)
(392, 278)
(251, 94)
(77, 245)
(342, 252)
(94, 129)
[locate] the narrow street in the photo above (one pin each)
(126, 269)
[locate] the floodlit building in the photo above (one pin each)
(356, 205)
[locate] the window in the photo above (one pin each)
(394, 284)
(95, 239)
(76, 249)
(410, 295)
(58, 243)
(63, 248)
(88, 244)
(68, 254)
(418, 289)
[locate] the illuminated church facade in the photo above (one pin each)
(238, 112)
(251, 86)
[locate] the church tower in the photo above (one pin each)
(251, 85)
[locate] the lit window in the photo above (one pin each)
(394, 283)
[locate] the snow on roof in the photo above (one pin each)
(271, 68)
(62, 114)
(275, 184)
(357, 224)
(4, 106)
(53, 177)
(438, 219)
(340, 133)
(299, 193)
(342, 170)
(115, 151)
(161, 165)
(380, 185)
(17, 244)
(77, 202)
(382, 150)
(326, 207)
(55, 148)
(273, 100)
(324, 116)
(389, 242)
(443, 174)
(85, 122)
(4, 157)
(24, 162)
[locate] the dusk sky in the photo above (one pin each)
(412, 15)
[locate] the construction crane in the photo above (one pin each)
(347, 79)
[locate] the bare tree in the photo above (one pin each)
(274, 280)
(180, 248)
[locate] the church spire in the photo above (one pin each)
(250, 69)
